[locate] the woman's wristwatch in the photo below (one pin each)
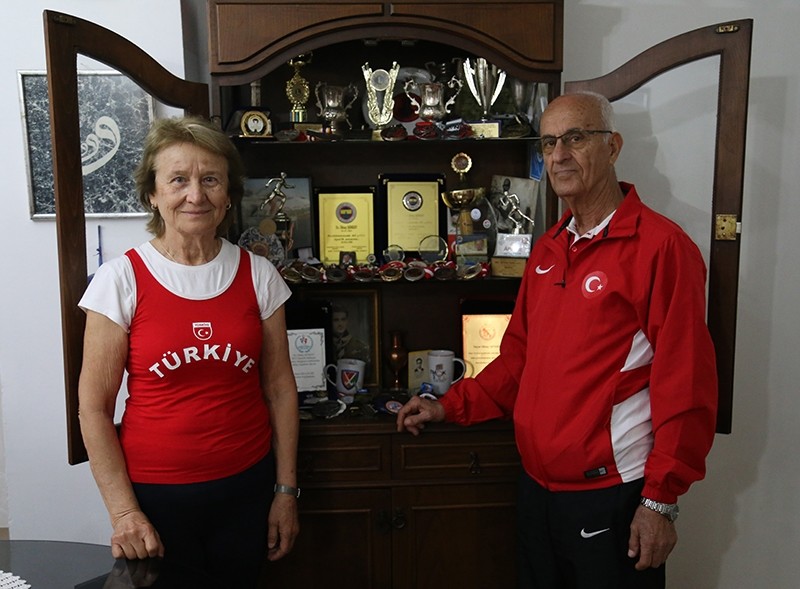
(287, 490)
(668, 510)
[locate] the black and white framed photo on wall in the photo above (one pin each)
(115, 115)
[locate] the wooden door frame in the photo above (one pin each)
(731, 41)
(65, 38)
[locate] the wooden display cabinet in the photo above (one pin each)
(381, 509)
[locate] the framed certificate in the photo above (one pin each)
(345, 222)
(307, 355)
(413, 209)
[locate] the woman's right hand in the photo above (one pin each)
(135, 537)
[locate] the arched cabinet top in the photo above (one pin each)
(250, 39)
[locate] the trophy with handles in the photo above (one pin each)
(333, 103)
(485, 81)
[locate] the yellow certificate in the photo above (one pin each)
(412, 212)
(482, 336)
(345, 225)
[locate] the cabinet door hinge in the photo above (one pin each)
(726, 228)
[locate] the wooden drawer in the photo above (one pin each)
(347, 458)
(456, 454)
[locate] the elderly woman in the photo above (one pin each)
(203, 471)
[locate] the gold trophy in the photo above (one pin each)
(297, 90)
(476, 224)
(463, 199)
(380, 88)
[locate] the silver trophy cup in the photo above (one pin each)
(485, 81)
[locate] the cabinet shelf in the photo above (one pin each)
(360, 163)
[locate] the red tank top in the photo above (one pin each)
(195, 410)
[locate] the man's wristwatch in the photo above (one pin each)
(287, 490)
(668, 510)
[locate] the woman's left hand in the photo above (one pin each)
(284, 526)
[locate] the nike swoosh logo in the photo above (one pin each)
(585, 534)
(540, 270)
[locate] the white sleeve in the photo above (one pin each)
(271, 290)
(112, 292)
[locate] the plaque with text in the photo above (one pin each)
(413, 208)
(345, 218)
(482, 334)
(412, 212)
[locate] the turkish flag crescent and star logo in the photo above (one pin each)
(594, 284)
(202, 330)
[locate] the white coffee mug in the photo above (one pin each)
(440, 370)
(349, 377)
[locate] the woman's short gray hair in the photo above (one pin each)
(196, 131)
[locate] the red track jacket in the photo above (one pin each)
(607, 365)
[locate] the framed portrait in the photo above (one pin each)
(297, 206)
(413, 209)
(354, 327)
(115, 115)
(345, 221)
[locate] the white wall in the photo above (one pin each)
(740, 527)
(47, 498)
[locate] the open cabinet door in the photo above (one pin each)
(731, 41)
(65, 38)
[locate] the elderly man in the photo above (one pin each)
(607, 369)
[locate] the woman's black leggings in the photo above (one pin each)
(216, 528)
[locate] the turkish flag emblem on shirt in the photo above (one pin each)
(594, 284)
(202, 330)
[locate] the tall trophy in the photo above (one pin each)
(485, 81)
(475, 223)
(380, 94)
(522, 94)
(297, 90)
(278, 221)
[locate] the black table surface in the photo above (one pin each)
(47, 564)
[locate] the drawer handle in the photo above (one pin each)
(474, 463)
(399, 519)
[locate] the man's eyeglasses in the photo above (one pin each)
(573, 139)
